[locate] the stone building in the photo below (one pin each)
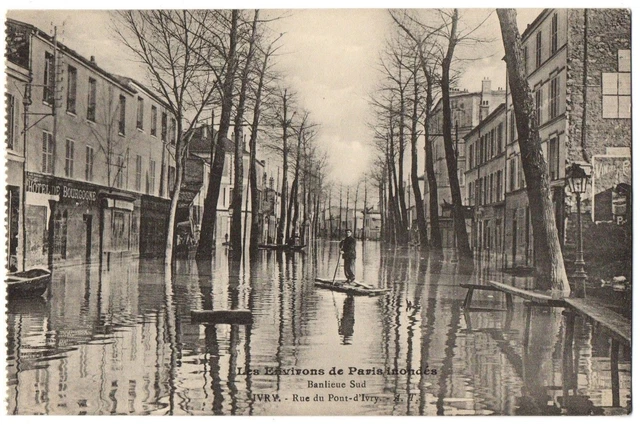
(94, 155)
(485, 177)
(578, 66)
(467, 110)
(196, 183)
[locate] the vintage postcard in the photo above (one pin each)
(390, 212)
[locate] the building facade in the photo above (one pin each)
(95, 145)
(467, 110)
(578, 63)
(485, 176)
(196, 184)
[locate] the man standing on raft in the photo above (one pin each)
(348, 247)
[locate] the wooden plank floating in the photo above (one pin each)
(617, 325)
(534, 296)
(353, 288)
(230, 317)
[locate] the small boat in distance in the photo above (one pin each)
(29, 283)
(282, 247)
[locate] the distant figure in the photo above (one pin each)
(226, 238)
(348, 247)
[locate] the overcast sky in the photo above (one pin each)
(329, 58)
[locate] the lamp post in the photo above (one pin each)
(578, 179)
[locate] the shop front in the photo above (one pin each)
(69, 222)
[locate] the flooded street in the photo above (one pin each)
(120, 341)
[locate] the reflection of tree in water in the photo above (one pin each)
(347, 321)
(538, 359)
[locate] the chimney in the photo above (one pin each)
(486, 86)
(93, 60)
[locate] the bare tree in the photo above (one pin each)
(460, 228)
(209, 213)
(171, 44)
(238, 189)
(549, 262)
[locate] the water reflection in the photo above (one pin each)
(120, 340)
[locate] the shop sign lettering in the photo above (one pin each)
(62, 190)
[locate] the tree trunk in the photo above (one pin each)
(460, 228)
(285, 171)
(417, 195)
(434, 219)
(207, 236)
(550, 271)
(256, 208)
(238, 187)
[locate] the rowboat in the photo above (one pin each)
(29, 283)
(282, 247)
(349, 288)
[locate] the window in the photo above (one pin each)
(513, 170)
(471, 148)
(154, 120)
(68, 158)
(486, 190)
(512, 127)
(471, 186)
(538, 49)
(47, 152)
(152, 177)
(554, 159)
(91, 100)
(120, 171)
(616, 95)
(499, 186)
(172, 178)
(478, 151)
(493, 142)
(10, 104)
(499, 137)
(491, 187)
(138, 172)
(554, 33)
(526, 60)
(72, 75)
(88, 167)
(539, 106)
(48, 85)
(163, 129)
(172, 132)
(123, 114)
(624, 60)
(60, 234)
(140, 113)
(554, 101)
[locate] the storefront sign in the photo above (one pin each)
(66, 190)
(608, 172)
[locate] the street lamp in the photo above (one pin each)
(578, 179)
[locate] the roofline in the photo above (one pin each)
(146, 90)
(48, 39)
(533, 25)
(460, 94)
(491, 116)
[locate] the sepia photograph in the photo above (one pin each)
(317, 211)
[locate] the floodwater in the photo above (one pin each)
(119, 340)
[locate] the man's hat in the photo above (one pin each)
(347, 230)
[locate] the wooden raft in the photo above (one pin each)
(231, 317)
(353, 288)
